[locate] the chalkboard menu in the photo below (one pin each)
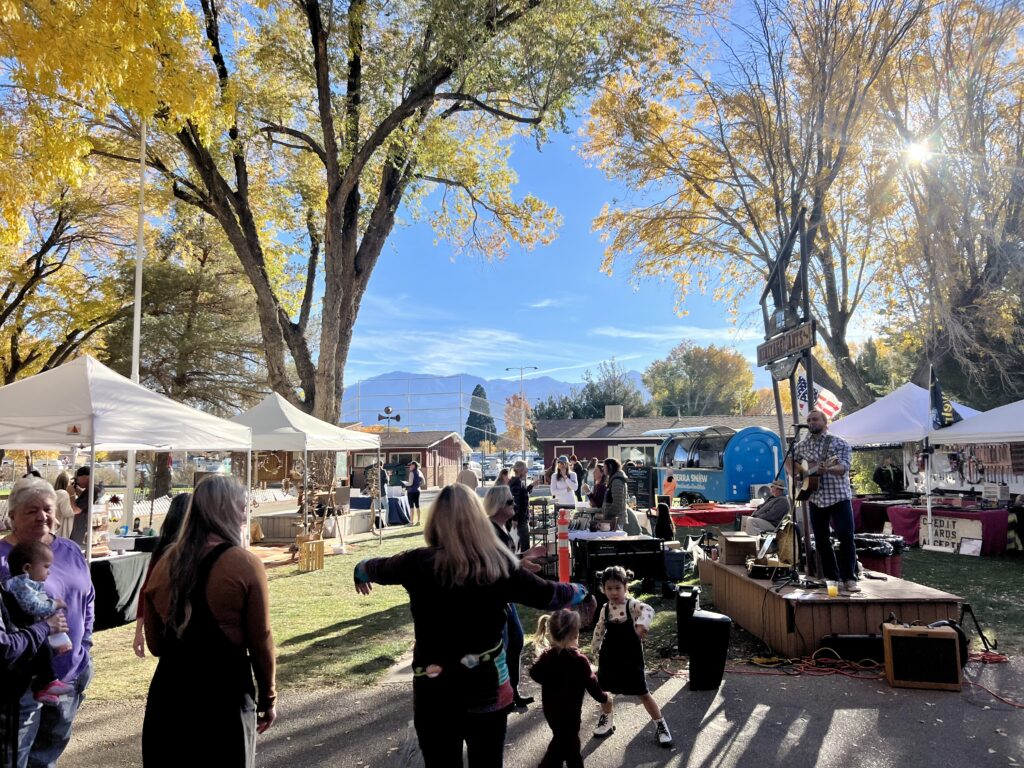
(1017, 458)
(639, 484)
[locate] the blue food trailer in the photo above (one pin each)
(718, 463)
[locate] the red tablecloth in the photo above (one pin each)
(701, 518)
(906, 522)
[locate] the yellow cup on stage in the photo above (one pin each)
(833, 588)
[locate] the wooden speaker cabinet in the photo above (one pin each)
(921, 657)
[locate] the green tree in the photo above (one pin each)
(698, 381)
(611, 385)
(199, 341)
(480, 425)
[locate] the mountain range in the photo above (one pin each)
(425, 402)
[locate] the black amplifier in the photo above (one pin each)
(643, 556)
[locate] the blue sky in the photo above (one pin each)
(428, 311)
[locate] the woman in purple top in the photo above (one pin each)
(44, 732)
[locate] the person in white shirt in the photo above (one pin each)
(564, 484)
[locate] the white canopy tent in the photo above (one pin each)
(277, 425)
(84, 403)
(902, 416)
(1004, 424)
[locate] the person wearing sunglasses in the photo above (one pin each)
(500, 507)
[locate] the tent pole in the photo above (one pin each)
(928, 491)
(92, 488)
(248, 498)
(305, 490)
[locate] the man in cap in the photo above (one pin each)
(768, 516)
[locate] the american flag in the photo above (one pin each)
(826, 402)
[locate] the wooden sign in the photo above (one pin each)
(789, 343)
(949, 530)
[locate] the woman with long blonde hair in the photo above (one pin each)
(207, 620)
(459, 585)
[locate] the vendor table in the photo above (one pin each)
(871, 516)
(118, 581)
(701, 518)
(906, 522)
(398, 508)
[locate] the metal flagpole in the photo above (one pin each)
(140, 252)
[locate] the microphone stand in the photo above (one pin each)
(809, 569)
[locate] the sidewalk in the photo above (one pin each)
(752, 721)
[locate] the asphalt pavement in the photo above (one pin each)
(753, 720)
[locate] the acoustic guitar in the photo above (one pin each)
(807, 476)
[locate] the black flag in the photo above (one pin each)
(943, 412)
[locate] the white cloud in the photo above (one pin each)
(591, 364)
(543, 304)
(440, 352)
(679, 333)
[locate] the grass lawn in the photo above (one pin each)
(325, 633)
(992, 586)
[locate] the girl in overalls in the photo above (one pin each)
(618, 645)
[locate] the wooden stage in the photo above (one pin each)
(792, 620)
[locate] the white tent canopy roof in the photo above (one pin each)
(902, 416)
(1004, 424)
(277, 425)
(83, 400)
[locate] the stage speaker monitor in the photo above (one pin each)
(687, 603)
(922, 657)
(709, 647)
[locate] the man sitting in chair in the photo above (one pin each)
(767, 517)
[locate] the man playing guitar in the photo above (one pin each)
(828, 459)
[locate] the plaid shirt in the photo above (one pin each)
(833, 488)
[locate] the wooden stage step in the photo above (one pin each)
(793, 620)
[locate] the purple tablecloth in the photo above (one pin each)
(906, 522)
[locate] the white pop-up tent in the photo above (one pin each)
(277, 425)
(1004, 424)
(84, 403)
(902, 416)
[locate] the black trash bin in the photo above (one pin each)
(687, 601)
(709, 645)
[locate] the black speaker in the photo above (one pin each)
(709, 647)
(687, 601)
(856, 647)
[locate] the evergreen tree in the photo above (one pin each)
(480, 424)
